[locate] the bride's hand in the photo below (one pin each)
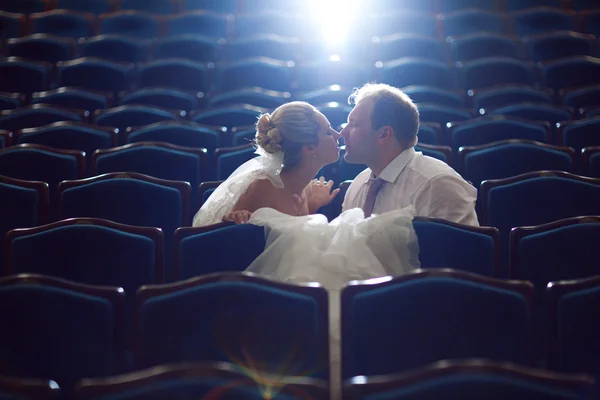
(320, 194)
(239, 217)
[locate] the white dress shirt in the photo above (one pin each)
(431, 185)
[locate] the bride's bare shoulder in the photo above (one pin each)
(258, 195)
(260, 186)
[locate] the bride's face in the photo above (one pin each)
(327, 151)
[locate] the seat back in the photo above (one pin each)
(443, 244)
(207, 250)
(45, 340)
(402, 334)
(235, 317)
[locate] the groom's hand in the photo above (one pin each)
(238, 217)
(320, 194)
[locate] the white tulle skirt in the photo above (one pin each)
(351, 247)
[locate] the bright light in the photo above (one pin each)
(336, 18)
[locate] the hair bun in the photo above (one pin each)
(264, 123)
(267, 135)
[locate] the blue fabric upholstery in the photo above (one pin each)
(206, 195)
(39, 165)
(95, 74)
(466, 4)
(432, 153)
(535, 112)
(480, 386)
(424, 94)
(10, 101)
(228, 249)
(543, 20)
(90, 254)
(505, 95)
(582, 133)
(178, 74)
(445, 246)
(481, 45)
(180, 135)
(578, 344)
(514, 5)
(243, 137)
(127, 201)
(571, 72)
(153, 6)
(442, 114)
(491, 71)
(45, 48)
(20, 76)
(93, 6)
(214, 25)
(229, 162)
(137, 25)
(116, 48)
(472, 21)
(511, 159)
(154, 161)
(200, 388)
(133, 115)
(73, 137)
(594, 165)
(484, 131)
(161, 97)
(411, 46)
(349, 171)
(246, 323)
(193, 47)
(55, 333)
(69, 25)
(23, 7)
(227, 116)
(11, 25)
(72, 98)
(252, 96)
(582, 97)
(540, 200)
(559, 45)
(30, 117)
(223, 6)
(415, 71)
(417, 322)
(427, 135)
(19, 210)
(254, 72)
(569, 252)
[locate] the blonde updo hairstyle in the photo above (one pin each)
(287, 129)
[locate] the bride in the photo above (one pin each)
(277, 190)
(293, 144)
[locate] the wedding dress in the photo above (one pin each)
(351, 247)
(221, 201)
(312, 249)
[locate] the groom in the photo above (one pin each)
(381, 133)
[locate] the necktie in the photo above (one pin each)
(374, 187)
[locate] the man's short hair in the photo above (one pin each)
(392, 107)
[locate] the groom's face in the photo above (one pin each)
(359, 137)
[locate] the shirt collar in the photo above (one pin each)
(393, 169)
